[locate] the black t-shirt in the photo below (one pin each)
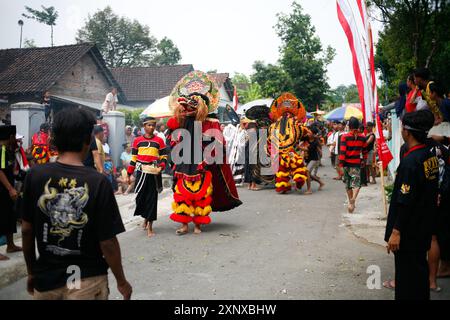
(370, 146)
(89, 162)
(313, 150)
(413, 207)
(72, 209)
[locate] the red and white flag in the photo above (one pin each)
(235, 99)
(352, 15)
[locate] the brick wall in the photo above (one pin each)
(84, 80)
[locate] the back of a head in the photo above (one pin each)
(422, 73)
(98, 129)
(44, 127)
(72, 128)
(437, 88)
(419, 124)
(353, 123)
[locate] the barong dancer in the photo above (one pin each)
(203, 185)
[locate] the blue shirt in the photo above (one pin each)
(445, 109)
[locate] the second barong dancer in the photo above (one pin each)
(149, 157)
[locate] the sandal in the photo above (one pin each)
(181, 232)
(436, 290)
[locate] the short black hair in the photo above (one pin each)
(44, 126)
(437, 88)
(353, 123)
(72, 128)
(370, 124)
(420, 123)
(423, 73)
(98, 129)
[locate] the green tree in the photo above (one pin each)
(122, 42)
(29, 43)
(168, 53)
(246, 89)
(47, 16)
(302, 56)
(415, 35)
(272, 79)
(126, 43)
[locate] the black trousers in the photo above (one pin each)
(147, 196)
(411, 275)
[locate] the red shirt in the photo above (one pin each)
(411, 107)
(146, 151)
(351, 147)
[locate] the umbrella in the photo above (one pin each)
(242, 109)
(344, 113)
(159, 109)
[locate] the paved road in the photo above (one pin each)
(273, 247)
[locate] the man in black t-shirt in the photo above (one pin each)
(70, 211)
(413, 209)
(93, 159)
(313, 161)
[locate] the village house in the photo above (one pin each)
(75, 75)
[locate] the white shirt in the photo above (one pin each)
(110, 102)
(106, 148)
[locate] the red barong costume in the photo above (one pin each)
(285, 134)
(200, 187)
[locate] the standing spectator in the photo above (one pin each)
(352, 155)
(93, 157)
(99, 137)
(413, 208)
(340, 130)
(159, 130)
(314, 155)
(8, 194)
(129, 138)
(440, 132)
(111, 100)
(79, 231)
(47, 103)
(104, 125)
(371, 155)
(331, 144)
(414, 95)
(401, 102)
(422, 79)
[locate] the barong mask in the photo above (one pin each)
(195, 95)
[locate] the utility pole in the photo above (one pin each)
(20, 22)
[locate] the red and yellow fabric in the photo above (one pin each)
(193, 200)
(40, 148)
(146, 151)
(291, 166)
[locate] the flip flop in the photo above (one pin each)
(436, 290)
(3, 258)
(181, 233)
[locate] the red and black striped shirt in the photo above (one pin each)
(147, 151)
(352, 146)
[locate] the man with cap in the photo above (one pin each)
(148, 158)
(8, 195)
(413, 209)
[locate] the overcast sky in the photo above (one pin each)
(228, 35)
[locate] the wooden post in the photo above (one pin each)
(380, 165)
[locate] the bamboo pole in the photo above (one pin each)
(380, 166)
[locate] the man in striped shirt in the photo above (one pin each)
(353, 148)
(148, 160)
